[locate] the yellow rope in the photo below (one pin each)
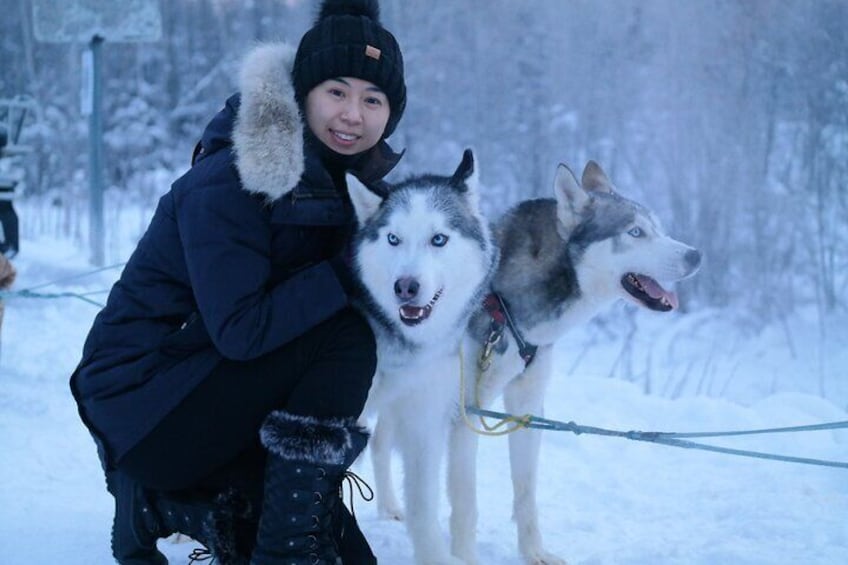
(518, 422)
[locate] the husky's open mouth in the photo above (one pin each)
(649, 292)
(414, 315)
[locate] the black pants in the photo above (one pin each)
(10, 240)
(211, 440)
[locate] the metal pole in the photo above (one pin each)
(95, 138)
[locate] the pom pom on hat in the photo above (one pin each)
(368, 8)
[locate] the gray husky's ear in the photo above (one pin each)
(467, 177)
(595, 179)
(571, 199)
(365, 203)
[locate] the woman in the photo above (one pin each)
(232, 315)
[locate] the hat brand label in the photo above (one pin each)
(373, 52)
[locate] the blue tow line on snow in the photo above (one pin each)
(30, 292)
(675, 439)
(26, 293)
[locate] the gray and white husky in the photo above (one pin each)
(424, 256)
(562, 261)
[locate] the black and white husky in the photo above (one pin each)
(563, 260)
(424, 256)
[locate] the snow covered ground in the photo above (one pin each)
(603, 501)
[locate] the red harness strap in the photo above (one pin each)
(496, 307)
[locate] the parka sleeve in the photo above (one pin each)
(226, 238)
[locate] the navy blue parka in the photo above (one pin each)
(234, 264)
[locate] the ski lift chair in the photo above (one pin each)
(13, 112)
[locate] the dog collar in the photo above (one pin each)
(496, 307)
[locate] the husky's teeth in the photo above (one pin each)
(412, 315)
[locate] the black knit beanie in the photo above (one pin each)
(347, 40)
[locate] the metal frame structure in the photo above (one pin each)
(13, 113)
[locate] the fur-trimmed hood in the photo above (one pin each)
(268, 131)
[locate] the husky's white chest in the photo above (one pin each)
(430, 375)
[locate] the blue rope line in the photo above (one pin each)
(51, 296)
(28, 292)
(74, 277)
(673, 438)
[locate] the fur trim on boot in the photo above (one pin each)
(310, 440)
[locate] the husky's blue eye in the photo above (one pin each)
(636, 232)
(393, 239)
(439, 240)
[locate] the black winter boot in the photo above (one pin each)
(307, 460)
(350, 541)
(231, 533)
(136, 525)
(225, 523)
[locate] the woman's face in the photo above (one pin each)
(347, 114)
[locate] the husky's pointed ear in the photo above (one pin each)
(467, 177)
(365, 203)
(595, 179)
(466, 173)
(571, 199)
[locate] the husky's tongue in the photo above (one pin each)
(650, 292)
(654, 290)
(412, 315)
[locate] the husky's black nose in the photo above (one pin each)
(406, 288)
(693, 259)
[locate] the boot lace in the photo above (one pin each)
(200, 554)
(352, 480)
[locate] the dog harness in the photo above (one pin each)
(496, 307)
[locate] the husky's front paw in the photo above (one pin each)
(444, 560)
(390, 512)
(542, 557)
(388, 506)
(469, 559)
(465, 552)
